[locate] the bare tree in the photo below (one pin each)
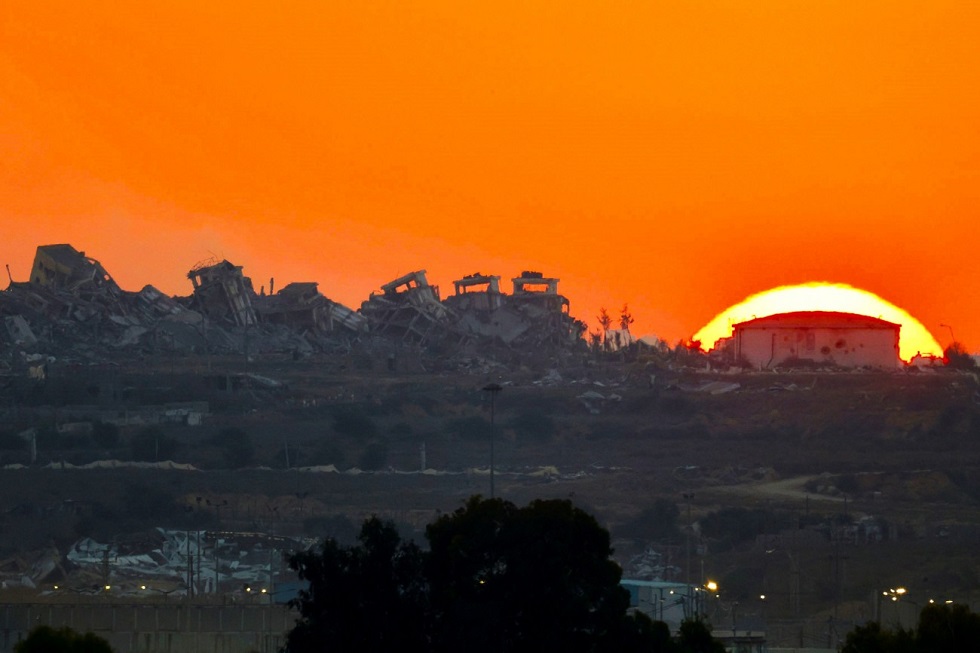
(625, 318)
(605, 322)
(595, 340)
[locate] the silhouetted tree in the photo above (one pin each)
(472, 427)
(695, 637)
(374, 456)
(533, 425)
(105, 435)
(352, 421)
(941, 628)
(537, 578)
(497, 578)
(367, 597)
(958, 358)
(871, 638)
(44, 639)
(595, 340)
(948, 628)
(605, 321)
(236, 445)
(625, 318)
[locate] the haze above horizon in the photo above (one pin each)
(675, 158)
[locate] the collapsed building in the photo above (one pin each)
(223, 293)
(71, 308)
(69, 299)
(65, 268)
(534, 314)
(300, 305)
(409, 309)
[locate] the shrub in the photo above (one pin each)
(151, 444)
(374, 457)
(105, 435)
(473, 427)
(533, 425)
(236, 445)
(351, 421)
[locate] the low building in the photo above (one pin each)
(843, 339)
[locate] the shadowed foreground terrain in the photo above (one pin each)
(815, 488)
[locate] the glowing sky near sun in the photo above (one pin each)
(676, 156)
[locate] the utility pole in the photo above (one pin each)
(190, 568)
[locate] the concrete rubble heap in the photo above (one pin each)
(73, 309)
(409, 309)
(534, 315)
(222, 562)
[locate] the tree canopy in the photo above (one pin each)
(941, 628)
(44, 639)
(496, 577)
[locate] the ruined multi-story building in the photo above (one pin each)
(223, 293)
(408, 309)
(300, 305)
(63, 267)
(478, 292)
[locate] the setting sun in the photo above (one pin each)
(819, 296)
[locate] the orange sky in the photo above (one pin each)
(678, 156)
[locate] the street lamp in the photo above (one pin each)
(892, 594)
(951, 336)
(493, 389)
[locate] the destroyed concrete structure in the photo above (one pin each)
(300, 305)
(223, 293)
(71, 309)
(486, 297)
(409, 310)
(65, 268)
(536, 298)
(535, 314)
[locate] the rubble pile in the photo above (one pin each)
(73, 309)
(158, 562)
(534, 315)
(409, 309)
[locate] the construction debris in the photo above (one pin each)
(65, 268)
(300, 306)
(408, 309)
(177, 562)
(223, 293)
(71, 308)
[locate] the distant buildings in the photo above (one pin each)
(843, 339)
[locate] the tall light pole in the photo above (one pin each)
(493, 389)
(951, 336)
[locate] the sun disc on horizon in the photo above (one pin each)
(914, 338)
